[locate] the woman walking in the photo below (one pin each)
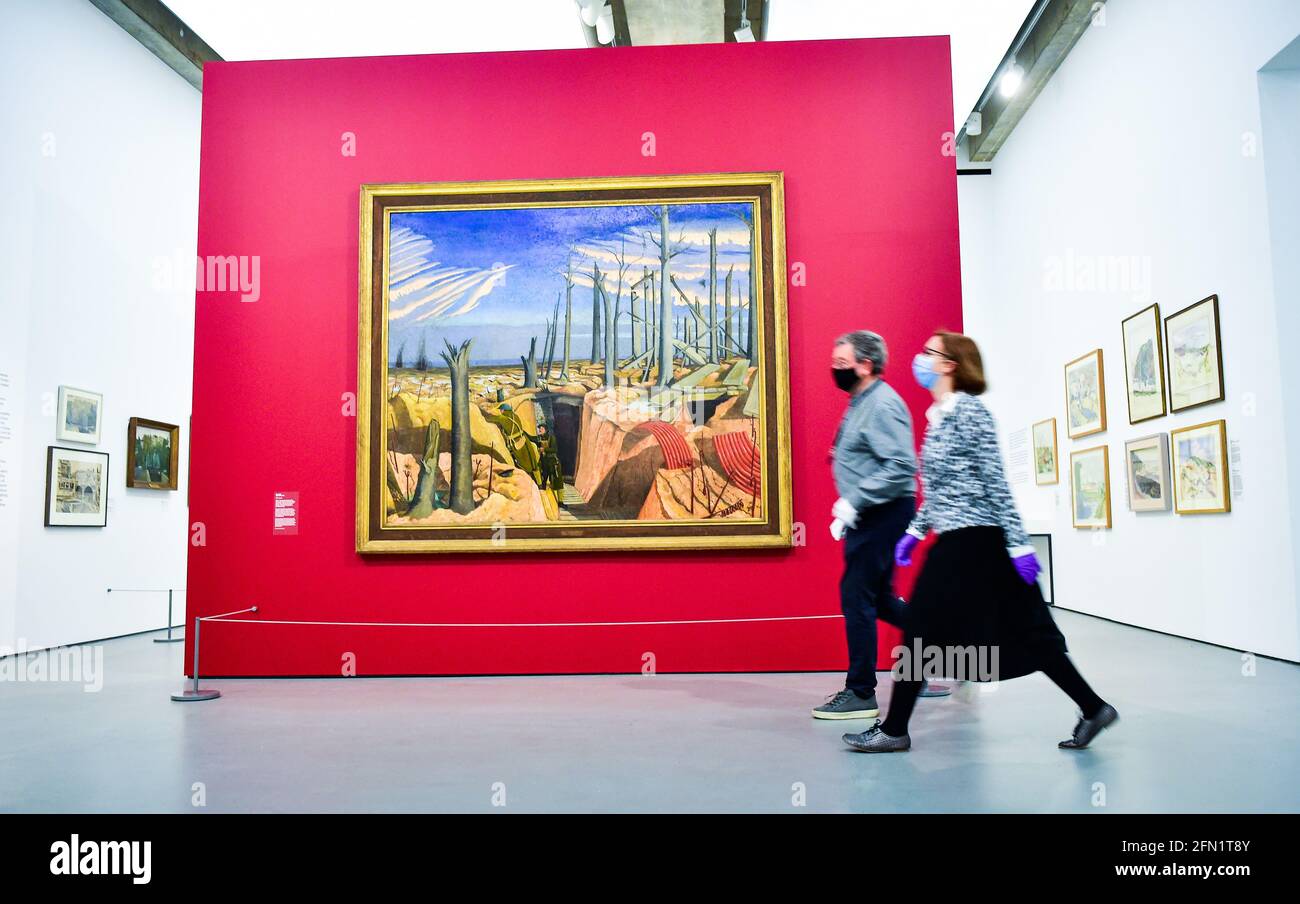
(978, 587)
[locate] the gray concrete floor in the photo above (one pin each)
(1195, 735)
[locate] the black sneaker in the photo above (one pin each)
(847, 705)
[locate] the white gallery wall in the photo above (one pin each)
(100, 159)
(1142, 174)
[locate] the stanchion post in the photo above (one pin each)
(195, 694)
(168, 638)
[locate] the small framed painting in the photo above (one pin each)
(1201, 469)
(76, 488)
(1090, 487)
(79, 415)
(1046, 469)
(1144, 365)
(1195, 355)
(152, 450)
(1146, 463)
(1085, 395)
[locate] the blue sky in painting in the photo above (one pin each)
(494, 275)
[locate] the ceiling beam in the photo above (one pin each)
(163, 33)
(1045, 40)
(643, 22)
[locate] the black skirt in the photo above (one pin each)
(969, 594)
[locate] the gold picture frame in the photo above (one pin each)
(1144, 365)
(151, 464)
(1085, 395)
(1087, 509)
(1201, 485)
(1045, 442)
(762, 383)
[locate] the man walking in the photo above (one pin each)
(874, 465)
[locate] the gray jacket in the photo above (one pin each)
(874, 459)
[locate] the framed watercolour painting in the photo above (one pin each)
(76, 488)
(1195, 355)
(579, 364)
(1090, 487)
(1144, 365)
(152, 451)
(1201, 469)
(1085, 395)
(1146, 467)
(1046, 470)
(79, 415)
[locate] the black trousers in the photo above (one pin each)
(867, 587)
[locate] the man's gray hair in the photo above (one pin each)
(867, 346)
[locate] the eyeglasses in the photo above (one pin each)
(935, 353)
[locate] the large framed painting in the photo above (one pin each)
(1090, 487)
(582, 364)
(76, 488)
(152, 451)
(1201, 469)
(1085, 395)
(1195, 355)
(1046, 469)
(1146, 464)
(1144, 365)
(79, 415)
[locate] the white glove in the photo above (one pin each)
(837, 529)
(844, 511)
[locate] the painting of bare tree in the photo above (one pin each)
(612, 373)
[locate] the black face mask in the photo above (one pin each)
(845, 377)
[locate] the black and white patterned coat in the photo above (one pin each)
(961, 474)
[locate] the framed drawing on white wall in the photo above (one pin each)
(1046, 469)
(1195, 355)
(1144, 365)
(1090, 487)
(1146, 466)
(76, 488)
(80, 415)
(1085, 395)
(1200, 466)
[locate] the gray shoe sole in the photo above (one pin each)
(854, 714)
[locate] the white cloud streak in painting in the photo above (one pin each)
(423, 287)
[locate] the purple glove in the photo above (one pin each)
(1027, 567)
(903, 551)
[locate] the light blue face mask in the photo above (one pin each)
(923, 370)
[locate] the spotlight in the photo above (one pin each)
(1011, 80)
(605, 26)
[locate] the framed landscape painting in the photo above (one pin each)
(1146, 465)
(1144, 365)
(579, 364)
(79, 415)
(76, 488)
(1201, 469)
(1090, 487)
(1195, 355)
(1046, 470)
(152, 451)
(1085, 395)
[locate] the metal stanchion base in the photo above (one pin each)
(195, 696)
(169, 640)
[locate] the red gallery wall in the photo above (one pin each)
(871, 212)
